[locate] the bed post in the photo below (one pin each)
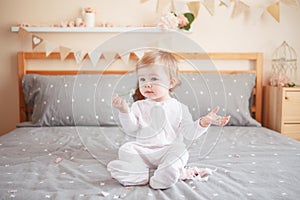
(258, 97)
(21, 71)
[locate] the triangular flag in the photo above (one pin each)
(125, 57)
(210, 6)
(139, 54)
(79, 55)
(292, 3)
(109, 56)
(194, 7)
(64, 52)
(23, 33)
(94, 57)
(226, 3)
(239, 8)
(50, 47)
(274, 10)
(36, 41)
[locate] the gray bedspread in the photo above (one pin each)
(70, 163)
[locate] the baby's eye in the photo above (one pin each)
(154, 79)
(142, 79)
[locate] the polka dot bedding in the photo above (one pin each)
(70, 163)
(85, 100)
(63, 151)
(82, 100)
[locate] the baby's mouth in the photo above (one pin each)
(148, 92)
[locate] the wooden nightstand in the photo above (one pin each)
(282, 110)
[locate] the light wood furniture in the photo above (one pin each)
(255, 57)
(282, 110)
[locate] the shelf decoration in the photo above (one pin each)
(89, 16)
(256, 8)
(284, 66)
(174, 21)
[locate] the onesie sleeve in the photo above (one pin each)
(129, 121)
(190, 129)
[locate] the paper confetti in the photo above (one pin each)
(58, 160)
(105, 194)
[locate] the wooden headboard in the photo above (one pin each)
(257, 58)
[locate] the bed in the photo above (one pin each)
(68, 132)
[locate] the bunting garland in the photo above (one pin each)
(36, 41)
(239, 8)
(79, 55)
(125, 57)
(64, 52)
(94, 57)
(210, 6)
(109, 56)
(139, 53)
(274, 10)
(226, 3)
(255, 8)
(22, 33)
(50, 47)
(194, 7)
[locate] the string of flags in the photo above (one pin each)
(255, 7)
(48, 47)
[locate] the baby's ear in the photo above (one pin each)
(172, 83)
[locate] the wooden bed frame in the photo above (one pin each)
(23, 57)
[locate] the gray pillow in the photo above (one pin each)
(231, 92)
(75, 99)
(86, 99)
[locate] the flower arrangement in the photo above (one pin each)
(173, 21)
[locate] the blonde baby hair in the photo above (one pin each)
(164, 59)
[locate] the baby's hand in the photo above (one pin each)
(120, 104)
(213, 118)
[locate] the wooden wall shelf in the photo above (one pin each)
(44, 29)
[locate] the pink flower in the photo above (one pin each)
(183, 21)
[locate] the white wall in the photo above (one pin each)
(218, 33)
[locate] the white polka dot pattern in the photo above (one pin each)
(250, 163)
(75, 100)
(231, 92)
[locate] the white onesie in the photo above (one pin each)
(159, 128)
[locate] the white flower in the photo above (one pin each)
(168, 21)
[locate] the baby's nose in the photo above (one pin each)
(148, 85)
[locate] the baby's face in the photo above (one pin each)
(154, 82)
